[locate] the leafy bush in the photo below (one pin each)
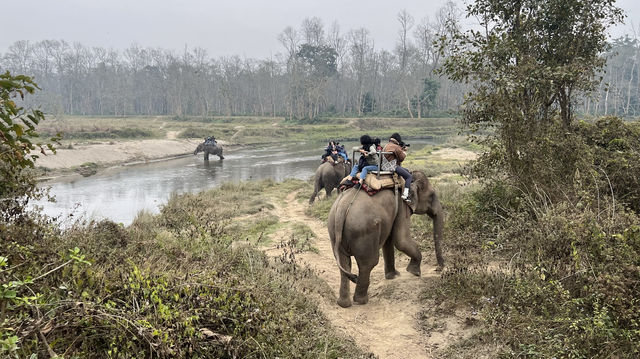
(616, 150)
(550, 278)
(17, 145)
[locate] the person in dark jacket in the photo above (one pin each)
(370, 162)
(330, 153)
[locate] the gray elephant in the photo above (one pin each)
(209, 149)
(359, 225)
(328, 176)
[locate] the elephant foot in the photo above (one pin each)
(361, 299)
(344, 302)
(414, 268)
(439, 268)
(392, 274)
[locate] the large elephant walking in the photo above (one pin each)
(209, 149)
(359, 225)
(328, 176)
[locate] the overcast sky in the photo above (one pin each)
(232, 27)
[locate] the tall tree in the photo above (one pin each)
(528, 63)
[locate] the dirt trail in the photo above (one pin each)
(387, 325)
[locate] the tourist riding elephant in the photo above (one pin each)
(209, 149)
(359, 225)
(328, 176)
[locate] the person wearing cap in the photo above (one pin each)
(391, 162)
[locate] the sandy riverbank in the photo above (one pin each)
(114, 153)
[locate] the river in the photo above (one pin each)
(120, 193)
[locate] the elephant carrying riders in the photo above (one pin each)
(368, 160)
(391, 162)
(332, 151)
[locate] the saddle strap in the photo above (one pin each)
(395, 194)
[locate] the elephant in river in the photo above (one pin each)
(209, 149)
(359, 225)
(328, 176)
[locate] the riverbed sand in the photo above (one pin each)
(116, 152)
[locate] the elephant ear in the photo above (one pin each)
(415, 198)
(421, 195)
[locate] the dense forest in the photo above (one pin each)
(321, 71)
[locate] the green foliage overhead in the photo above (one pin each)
(530, 59)
(527, 66)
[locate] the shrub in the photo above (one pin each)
(551, 279)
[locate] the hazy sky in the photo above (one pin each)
(233, 27)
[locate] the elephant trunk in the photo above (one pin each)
(438, 225)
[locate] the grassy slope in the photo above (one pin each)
(170, 285)
(244, 130)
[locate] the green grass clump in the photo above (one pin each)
(320, 208)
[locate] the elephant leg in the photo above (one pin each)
(328, 191)
(344, 301)
(388, 253)
(361, 295)
(317, 186)
(206, 156)
(220, 155)
(402, 240)
(313, 195)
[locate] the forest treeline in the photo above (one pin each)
(322, 71)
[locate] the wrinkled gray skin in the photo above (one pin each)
(209, 150)
(370, 224)
(329, 176)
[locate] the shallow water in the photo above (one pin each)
(120, 194)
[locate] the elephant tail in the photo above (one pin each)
(338, 227)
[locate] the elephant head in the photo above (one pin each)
(359, 225)
(200, 148)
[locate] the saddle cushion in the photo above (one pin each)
(385, 181)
